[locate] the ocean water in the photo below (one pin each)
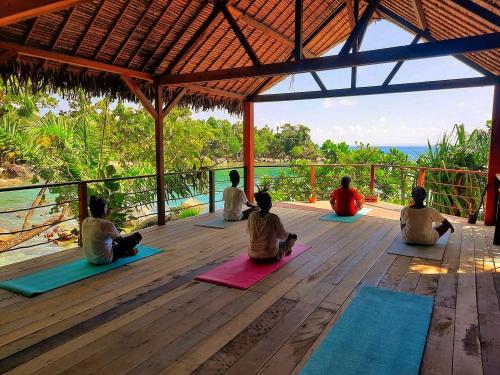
(413, 152)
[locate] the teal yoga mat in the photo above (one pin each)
(55, 277)
(345, 219)
(380, 332)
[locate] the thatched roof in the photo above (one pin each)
(149, 36)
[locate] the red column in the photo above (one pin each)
(493, 162)
(160, 162)
(248, 148)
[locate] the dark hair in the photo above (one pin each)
(418, 194)
(345, 181)
(97, 206)
(263, 198)
(234, 176)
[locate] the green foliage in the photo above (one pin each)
(188, 212)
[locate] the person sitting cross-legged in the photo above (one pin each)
(417, 221)
(102, 243)
(269, 241)
(346, 200)
(234, 199)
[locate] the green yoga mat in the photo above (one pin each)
(380, 332)
(55, 277)
(345, 219)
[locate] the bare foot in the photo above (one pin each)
(132, 252)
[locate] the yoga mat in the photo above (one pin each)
(55, 277)
(218, 223)
(380, 332)
(241, 272)
(435, 251)
(345, 219)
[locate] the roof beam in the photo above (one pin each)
(419, 13)
(398, 65)
(241, 16)
(375, 90)
(175, 100)
(13, 11)
(479, 11)
(73, 60)
(360, 27)
(387, 13)
(319, 81)
(213, 91)
(350, 13)
(357, 43)
(299, 19)
(239, 34)
(189, 46)
(136, 90)
(380, 56)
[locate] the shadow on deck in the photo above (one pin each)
(151, 317)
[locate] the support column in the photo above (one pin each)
(160, 163)
(490, 207)
(248, 149)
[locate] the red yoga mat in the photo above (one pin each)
(241, 272)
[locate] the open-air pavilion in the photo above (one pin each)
(152, 317)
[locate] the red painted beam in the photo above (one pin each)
(248, 149)
(493, 162)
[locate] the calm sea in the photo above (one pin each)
(413, 152)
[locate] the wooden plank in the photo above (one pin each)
(136, 90)
(419, 13)
(13, 11)
(467, 347)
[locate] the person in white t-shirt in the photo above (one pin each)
(235, 199)
(421, 225)
(102, 243)
(269, 241)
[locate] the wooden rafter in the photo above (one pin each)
(479, 11)
(375, 90)
(63, 29)
(131, 32)
(150, 33)
(299, 15)
(350, 13)
(213, 91)
(31, 30)
(165, 37)
(239, 34)
(360, 27)
(6, 56)
(399, 64)
(175, 100)
(357, 42)
(319, 81)
(263, 28)
(78, 45)
(136, 90)
(74, 60)
(13, 11)
(195, 38)
(397, 19)
(418, 51)
(419, 14)
(110, 32)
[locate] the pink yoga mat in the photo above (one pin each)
(241, 272)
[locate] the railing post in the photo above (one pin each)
(211, 187)
(82, 206)
(421, 177)
(372, 180)
(312, 197)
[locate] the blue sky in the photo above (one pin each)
(392, 119)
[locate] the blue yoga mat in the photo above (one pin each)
(55, 277)
(345, 219)
(380, 333)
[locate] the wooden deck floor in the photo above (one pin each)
(151, 317)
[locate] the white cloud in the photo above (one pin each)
(382, 119)
(327, 103)
(346, 102)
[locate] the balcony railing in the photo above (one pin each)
(451, 191)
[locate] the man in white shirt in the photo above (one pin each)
(234, 199)
(417, 221)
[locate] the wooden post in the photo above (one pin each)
(490, 208)
(82, 206)
(312, 198)
(372, 180)
(211, 190)
(160, 163)
(248, 149)
(421, 177)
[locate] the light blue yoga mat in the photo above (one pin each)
(55, 277)
(345, 219)
(380, 333)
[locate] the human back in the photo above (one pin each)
(97, 240)
(234, 199)
(346, 200)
